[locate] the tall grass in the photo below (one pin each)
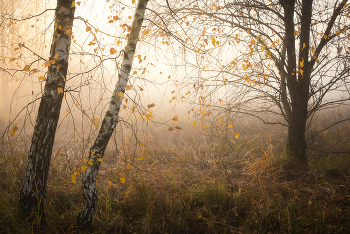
(191, 182)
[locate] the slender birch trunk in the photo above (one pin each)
(33, 192)
(109, 122)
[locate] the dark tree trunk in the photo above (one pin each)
(298, 78)
(109, 122)
(296, 130)
(33, 192)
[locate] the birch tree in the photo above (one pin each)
(109, 122)
(33, 192)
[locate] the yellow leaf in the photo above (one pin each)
(145, 31)
(253, 41)
(134, 73)
(90, 162)
(172, 92)
(73, 4)
(59, 90)
(170, 129)
(74, 178)
(56, 56)
(220, 120)
(177, 127)
(301, 72)
(124, 107)
(14, 129)
(122, 179)
(237, 135)
(296, 33)
(41, 78)
(304, 45)
(194, 123)
(325, 37)
(93, 152)
(88, 28)
(175, 118)
(263, 47)
(230, 126)
(26, 68)
(128, 87)
(312, 49)
(83, 168)
(133, 109)
(76, 173)
(48, 63)
(170, 101)
(302, 63)
(120, 94)
(128, 165)
(113, 51)
(310, 202)
(12, 59)
(213, 41)
(99, 159)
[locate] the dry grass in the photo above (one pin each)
(190, 182)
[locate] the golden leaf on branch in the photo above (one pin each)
(151, 105)
(26, 68)
(14, 130)
(113, 51)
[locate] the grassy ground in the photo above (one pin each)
(195, 183)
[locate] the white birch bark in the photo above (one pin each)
(109, 122)
(33, 192)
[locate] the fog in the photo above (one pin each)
(163, 73)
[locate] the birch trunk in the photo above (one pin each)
(109, 122)
(33, 192)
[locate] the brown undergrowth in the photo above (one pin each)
(191, 182)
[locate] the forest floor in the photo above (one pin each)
(195, 183)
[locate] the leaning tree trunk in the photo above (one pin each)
(33, 192)
(109, 122)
